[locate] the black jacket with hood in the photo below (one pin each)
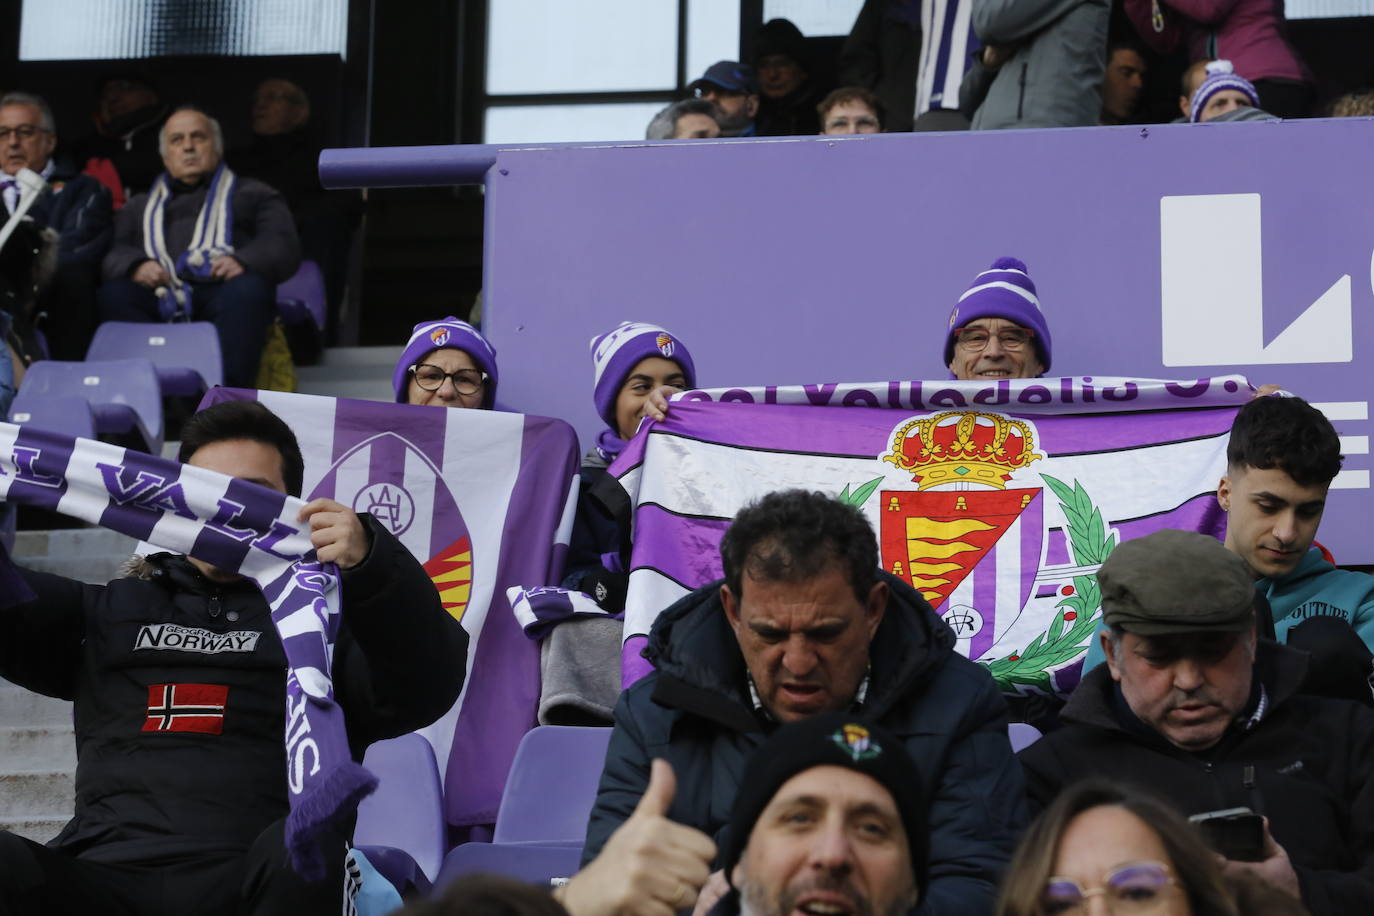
(1304, 762)
(695, 711)
(149, 786)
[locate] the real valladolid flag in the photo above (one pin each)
(484, 499)
(997, 502)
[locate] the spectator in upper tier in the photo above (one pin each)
(1041, 65)
(1223, 94)
(789, 92)
(1250, 33)
(1191, 705)
(1123, 83)
(75, 206)
(1359, 104)
(850, 110)
(446, 363)
(733, 89)
(122, 149)
(1189, 83)
(284, 153)
(803, 624)
(689, 119)
(914, 56)
(1102, 839)
(203, 244)
(996, 329)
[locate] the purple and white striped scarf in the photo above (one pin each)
(235, 525)
(212, 237)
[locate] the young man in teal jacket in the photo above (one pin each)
(1281, 459)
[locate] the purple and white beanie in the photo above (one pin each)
(1220, 76)
(1005, 291)
(446, 333)
(617, 351)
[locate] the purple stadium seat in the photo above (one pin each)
(123, 394)
(69, 416)
(1022, 735)
(407, 811)
(186, 355)
(302, 298)
(552, 785)
(540, 865)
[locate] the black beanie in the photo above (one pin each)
(832, 739)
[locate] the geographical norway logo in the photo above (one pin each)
(186, 708)
(192, 639)
(856, 741)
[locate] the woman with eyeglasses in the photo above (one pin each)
(446, 363)
(1100, 848)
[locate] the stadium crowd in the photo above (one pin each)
(810, 739)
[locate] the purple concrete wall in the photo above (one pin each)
(820, 259)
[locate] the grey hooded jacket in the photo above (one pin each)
(1054, 76)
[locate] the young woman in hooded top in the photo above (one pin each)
(636, 366)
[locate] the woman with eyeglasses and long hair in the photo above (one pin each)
(1101, 840)
(446, 363)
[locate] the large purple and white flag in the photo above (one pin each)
(485, 500)
(998, 502)
(234, 525)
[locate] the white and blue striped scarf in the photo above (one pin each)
(212, 237)
(235, 525)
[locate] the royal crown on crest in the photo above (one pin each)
(962, 446)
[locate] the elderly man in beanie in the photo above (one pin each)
(996, 329)
(1224, 95)
(831, 816)
(1191, 705)
(806, 624)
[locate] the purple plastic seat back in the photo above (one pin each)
(186, 355)
(66, 415)
(539, 865)
(552, 785)
(1022, 735)
(301, 298)
(407, 810)
(123, 394)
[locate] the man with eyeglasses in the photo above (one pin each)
(1194, 707)
(732, 88)
(996, 329)
(77, 207)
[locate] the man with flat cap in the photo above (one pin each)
(1191, 705)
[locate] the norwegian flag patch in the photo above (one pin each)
(186, 708)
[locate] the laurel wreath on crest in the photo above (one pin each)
(1073, 626)
(1068, 634)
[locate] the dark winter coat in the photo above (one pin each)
(1306, 765)
(78, 209)
(695, 712)
(264, 240)
(148, 786)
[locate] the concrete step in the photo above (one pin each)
(38, 829)
(92, 555)
(29, 796)
(27, 748)
(351, 372)
(24, 708)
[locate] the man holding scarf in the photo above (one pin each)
(179, 677)
(202, 245)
